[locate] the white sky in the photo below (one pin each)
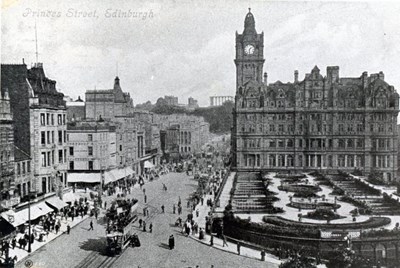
(187, 47)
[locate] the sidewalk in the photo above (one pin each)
(217, 243)
(21, 253)
(226, 193)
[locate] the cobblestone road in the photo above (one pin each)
(83, 248)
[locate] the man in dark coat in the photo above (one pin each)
(171, 242)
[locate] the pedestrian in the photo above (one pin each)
(20, 242)
(238, 247)
(171, 242)
(224, 243)
(197, 213)
(13, 242)
(68, 229)
(151, 227)
(96, 214)
(262, 255)
(144, 191)
(145, 198)
(105, 204)
(57, 228)
(188, 204)
(144, 211)
(140, 223)
(91, 226)
(173, 208)
(162, 208)
(201, 234)
(144, 226)
(212, 240)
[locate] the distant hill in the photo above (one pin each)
(219, 117)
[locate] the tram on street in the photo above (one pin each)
(121, 217)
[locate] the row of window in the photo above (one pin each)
(47, 119)
(23, 168)
(314, 127)
(49, 138)
(48, 158)
(316, 101)
(341, 160)
(313, 143)
(373, 117)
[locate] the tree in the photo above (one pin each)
(146, 106)
(298, 262)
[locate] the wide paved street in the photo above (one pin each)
(83, 248)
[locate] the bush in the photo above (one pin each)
(337, 191)
(237, 223)
(376, 178)
(323, 214)
(373, 222)
(298, 262)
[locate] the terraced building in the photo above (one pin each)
(325, 123)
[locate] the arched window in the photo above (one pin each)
(341, 143)
(350, 143)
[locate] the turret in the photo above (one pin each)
(332, 73)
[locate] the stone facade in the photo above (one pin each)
(130, 141)
(171, 100)
(7, 178)
(107, 104)
(39, 114)
(49, 128)
(185, 134)
(91, 146)
(325, 123)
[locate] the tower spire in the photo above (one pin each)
(249, 24)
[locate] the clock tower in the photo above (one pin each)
(249, 53)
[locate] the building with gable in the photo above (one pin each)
(324, 123)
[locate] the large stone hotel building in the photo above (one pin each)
(325, 123)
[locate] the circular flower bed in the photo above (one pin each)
(323, 214)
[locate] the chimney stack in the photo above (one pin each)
(296, 76)
(265, 78)
(381, 76)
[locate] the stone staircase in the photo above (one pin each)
(374, 200)
(250, 194)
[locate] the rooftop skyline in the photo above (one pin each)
(186, 49)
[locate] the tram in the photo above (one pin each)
(120, 230)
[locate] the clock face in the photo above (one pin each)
(249, 50)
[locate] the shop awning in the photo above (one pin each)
(148, 164)
(108, 177)
(70, 197)
(22, 216)
(84, 177)
(117, 174)
(56, 202)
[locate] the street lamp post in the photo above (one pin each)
(29, 222)
(29, 219)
